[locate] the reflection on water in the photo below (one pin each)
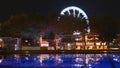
(61, 60)
(1, 58)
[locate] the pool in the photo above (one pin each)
(60, 61)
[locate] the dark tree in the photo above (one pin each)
(25, 25)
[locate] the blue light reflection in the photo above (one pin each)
(61, 60)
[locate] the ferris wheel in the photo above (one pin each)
(76, 12)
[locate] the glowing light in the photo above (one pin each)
(76, 33)
(1, 60)
(26, 58)
(44, 44)
(26, 40)
(78, 65)
(1, 40)
(114, 48)
(115, 59)
(76, 12)
(98, 43)
(104, 51)
(77, 39)
(68, 44)
(16, 47)
(74, 8)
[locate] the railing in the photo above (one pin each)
(100, 47)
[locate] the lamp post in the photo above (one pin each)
(85, 37)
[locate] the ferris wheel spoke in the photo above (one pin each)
(82, 17)
(78, 15)
(73, 12)
(68, 12)
(87, 21)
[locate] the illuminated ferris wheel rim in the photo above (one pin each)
(80, 11)
(74, 8)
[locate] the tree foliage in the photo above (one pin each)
(105, 26)
(23, 24)
(69, 24)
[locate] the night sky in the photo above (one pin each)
(91, 7)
